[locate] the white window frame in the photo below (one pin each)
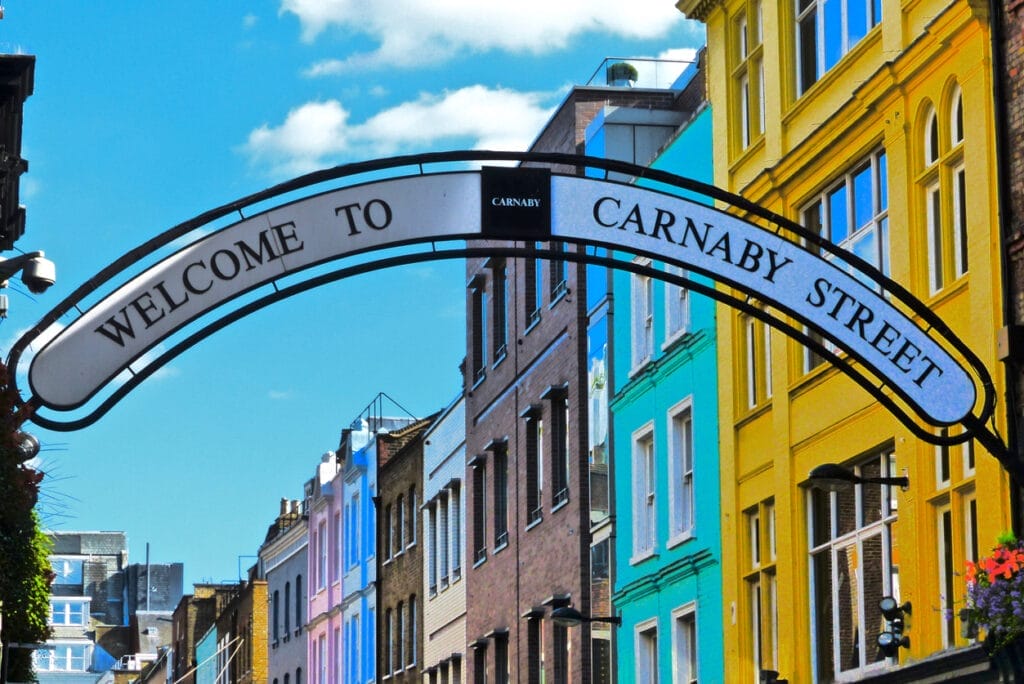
(81, 602)
(642, 318)
(645, 655)
(645, 530)
(681, 490)
(685, 660)
(677, 307)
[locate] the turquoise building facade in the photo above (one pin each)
(667, 586)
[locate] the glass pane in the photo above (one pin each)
(871, 494)
(838, 223)
(874, 590)
(834, 48)
(883, 183)
(846, 511)
(808, 45)
(821, 517)
(866, 247)
(821, 567)
(847, 599)
(857, 20)
(863, 198)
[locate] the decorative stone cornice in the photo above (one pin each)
(697, 9)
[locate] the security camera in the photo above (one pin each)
(38, 274)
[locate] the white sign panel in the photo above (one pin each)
(776, 272)
(148, 308)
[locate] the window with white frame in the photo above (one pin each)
(943, 182)
(644, 476)
(455, 518)
(411, 651)
(851, 569)
(443, 543)
(647, 652)
(322, 658)
(954, 503)
(321, 545)
(677, 306)
(756, 343)
(684, 645)
(411, 502)
(853, 213)
(66, 571)
(400, 637)
(642, 312)
(762, 588)
(748, 73)
(826, 30)
(402, 525)
(534, 464)
(499, 274)
(63, 657)
(69, 611)
(337, 559)
(680, 466)
(478, 312)
(433, 555)
(500, 482)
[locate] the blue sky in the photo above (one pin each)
(146, 114)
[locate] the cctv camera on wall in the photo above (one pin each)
(38, 274)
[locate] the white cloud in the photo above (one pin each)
(414, 32)
(249, 21)
(278, 395)
(316, 134)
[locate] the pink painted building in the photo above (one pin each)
(324, 627)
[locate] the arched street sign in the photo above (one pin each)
(883, 337)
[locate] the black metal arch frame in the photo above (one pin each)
(975, 424)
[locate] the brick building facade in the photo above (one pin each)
(399, 540)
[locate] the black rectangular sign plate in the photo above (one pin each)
(515, 203)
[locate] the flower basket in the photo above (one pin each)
(995, 596)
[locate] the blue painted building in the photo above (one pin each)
(667, 586)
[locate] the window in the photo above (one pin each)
(413, 633)
(559, 273)
(455, 516)
(956, 530)
(642, 312)
(532, 290)
(443, 542)
(66, 571)
(851, 569)
(501, 659)
(433, 555)
(480, 664)
(412, 517)
(400, 533)
(762, 587)
(534, 650)
(677, 306)
(828, 29)
(644, 473)
(389, 522)
(853, 213)
(63, 657)
(479, 508)
(500, 496)
(748, 74)
(287, 609)
(534, 464)
(944, 186)
(69, 611)
(499, 275)
(336, 561)
(321, 542)
(478, 302)
(388, 640)
(300, 598)
(680, 471)
(684, 646)
(560, 645)
(322, 658)
(559, 446)
(277, 615)
(756, 343)
(400, 637)
(647, 653)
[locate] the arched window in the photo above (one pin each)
(943, 184)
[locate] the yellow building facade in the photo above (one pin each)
(872, 123)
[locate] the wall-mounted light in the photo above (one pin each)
(771, 677)
(833, 477)
(27, 445)
(893, 638)
(567, 616)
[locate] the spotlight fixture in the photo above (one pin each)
(26, 444)
(771, 677)
(893, 638)
(833, 477)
